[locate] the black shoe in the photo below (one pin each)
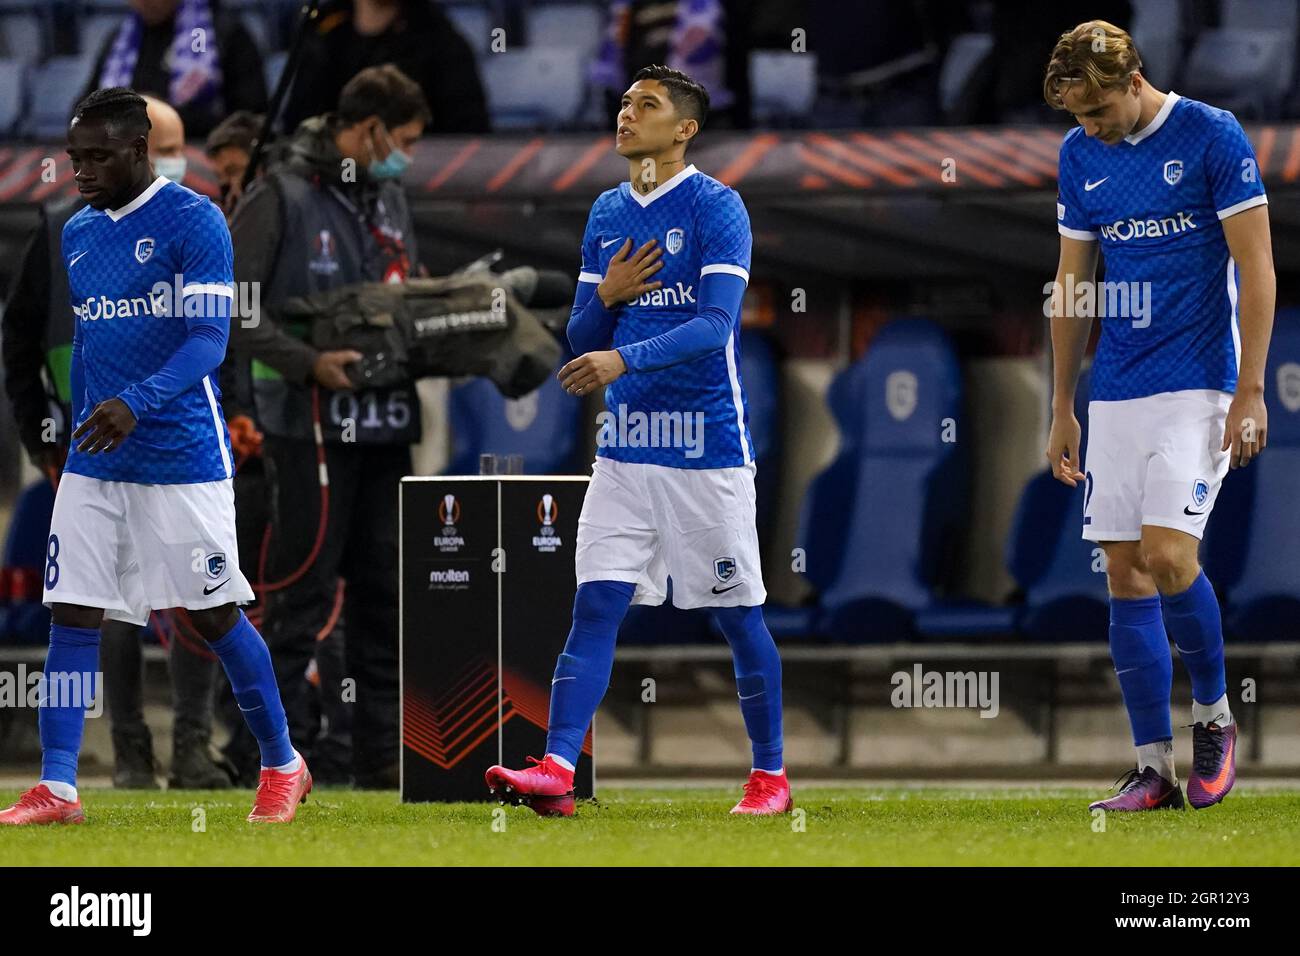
(196, 767)
(133, 765)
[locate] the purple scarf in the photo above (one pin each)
(195, 73)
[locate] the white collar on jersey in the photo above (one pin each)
(138, 201)
(662, 188)
(1157, 121)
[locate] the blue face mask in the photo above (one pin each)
(391, 166)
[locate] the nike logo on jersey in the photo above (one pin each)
(1089, 187)
(216, 587)
(718, 590)
(1189, 511)
(75, 258)
(606, 245)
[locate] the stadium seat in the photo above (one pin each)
(24, 33)
(760, 374)
(474, 21)
(23, 619)
(59, 80)
(544, 426)
(1264, 603)
(1158, 32)
(877, 520)
(783, 86)
(94, 32)
(965, 55)
(11, 95)
(577, 25)
(1247, 71)
(534, 88)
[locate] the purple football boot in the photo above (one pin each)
(1142, 790)
(1214, 763)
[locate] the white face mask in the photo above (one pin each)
(172, 167)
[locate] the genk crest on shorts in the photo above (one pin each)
(724, 569)
(1200, 491)
(216, 564)
(144, 249)
(675, 239)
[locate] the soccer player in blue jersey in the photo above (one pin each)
(144, 515)
(665, 263)
(1170, 191)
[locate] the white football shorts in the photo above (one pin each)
(1154, 460)
(131, 548)
(642, 523)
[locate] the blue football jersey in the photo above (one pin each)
(1155, 201)
(702, 227)
(132, 272)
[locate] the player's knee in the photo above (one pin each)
(1126, 571)
(1172, 567)
(76, 615)
(602, 602)
(214, 623)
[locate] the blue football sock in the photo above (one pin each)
(1193, 621)
(1144, 666)
(247, 661)
(758, 681)
(582, 672)
(70, 668)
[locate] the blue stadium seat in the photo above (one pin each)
(59, 80)
(876, 522)
(545, 426)
(23, 619)
(1247, 71)
(579, 26)
(474, 21)
(760, 374)
(1264, 604)
(537, 87)
(95, 30)
(24, 33)
(783, 86)
(1158, 32)
(965, 55)
(11, 95)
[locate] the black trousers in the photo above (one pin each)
(359, 546)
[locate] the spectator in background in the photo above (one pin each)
(413, 35)
(331, 215)
(229, 148)
(706, 39)
(37, 345)
(153, 52)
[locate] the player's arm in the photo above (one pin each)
(1245, 431)
(1077, 265)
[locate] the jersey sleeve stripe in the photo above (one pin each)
(728, 268)
(1081, 234)
(208, 288)
(736, 396)
(216, 424)
(589, 277)
(1242, 206)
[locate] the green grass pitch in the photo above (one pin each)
(861, 825)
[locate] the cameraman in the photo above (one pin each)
(332, 214)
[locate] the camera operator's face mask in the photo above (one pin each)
(391, 166)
